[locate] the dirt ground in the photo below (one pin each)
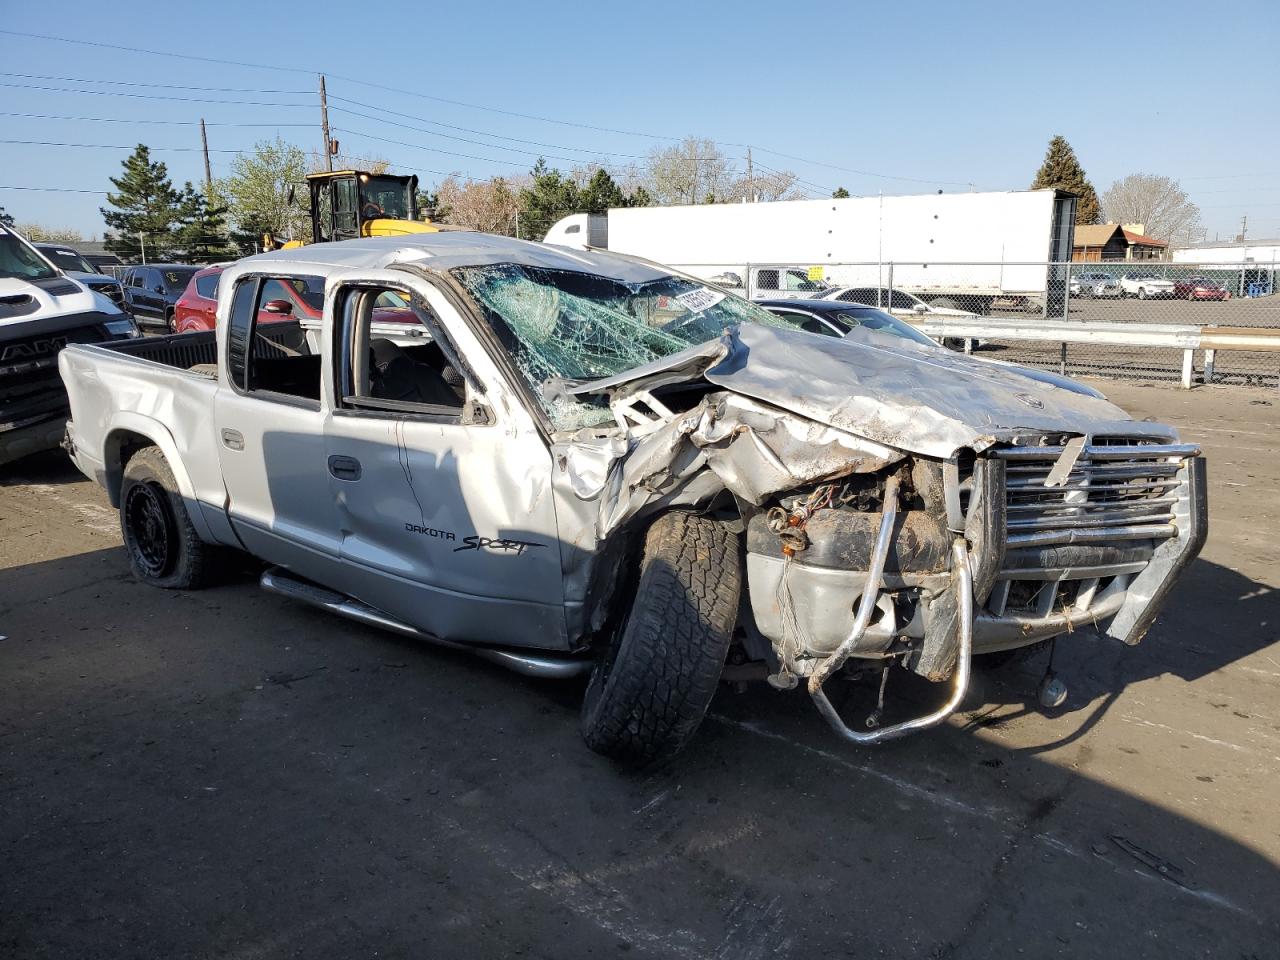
(228, 774)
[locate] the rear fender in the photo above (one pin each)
(127, 431)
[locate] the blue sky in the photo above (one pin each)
(927, 95)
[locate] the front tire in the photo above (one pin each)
(163, 547)
(653, 683)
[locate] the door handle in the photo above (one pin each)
(344, 468)
(232, 439)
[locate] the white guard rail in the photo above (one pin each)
(1177, 336)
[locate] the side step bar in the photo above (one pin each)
(276, 580)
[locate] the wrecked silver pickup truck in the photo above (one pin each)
(582, 463)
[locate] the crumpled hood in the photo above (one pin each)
(904, 395)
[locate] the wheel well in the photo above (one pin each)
(120, 447)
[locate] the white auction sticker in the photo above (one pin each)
(695, 301)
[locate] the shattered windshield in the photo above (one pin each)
(564, 325)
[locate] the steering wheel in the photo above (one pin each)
(371, 211)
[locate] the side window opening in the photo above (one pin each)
(767, 280)
(391, 359)
(266, 347)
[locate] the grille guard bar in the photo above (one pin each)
(962, 580)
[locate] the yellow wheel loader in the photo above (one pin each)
(346, 204)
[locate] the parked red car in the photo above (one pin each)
(1200, 288)
(291, 298)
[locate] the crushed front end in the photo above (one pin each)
(929, 562)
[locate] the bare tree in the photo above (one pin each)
(346, 161)
(1159, 203)
(486, 205)
(765, 186)
(38, 233)
(693, 171)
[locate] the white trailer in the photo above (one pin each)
(961, 250)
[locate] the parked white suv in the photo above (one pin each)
(1146, 286)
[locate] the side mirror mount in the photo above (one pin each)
(281, 308)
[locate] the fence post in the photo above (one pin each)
(1066, 292)
(1209, 356)
(1188, 367)
(1062, 359)
(888, 305)
(746, 282)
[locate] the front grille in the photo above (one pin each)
(1087, 533)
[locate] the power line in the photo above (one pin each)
(415, 146)
(450, 126)
(52, 189)
(478, 143)
(111, 146)
(157, 86)
(191, 123)
(471, 106)
(149, 96)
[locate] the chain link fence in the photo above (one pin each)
(1241, 295)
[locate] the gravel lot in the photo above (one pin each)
(226, 774)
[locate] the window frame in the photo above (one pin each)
(472, 412)
(242, 388)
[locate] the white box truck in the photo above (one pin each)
(961, 250)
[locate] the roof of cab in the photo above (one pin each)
(448, 249)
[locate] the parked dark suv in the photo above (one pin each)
(151, 290)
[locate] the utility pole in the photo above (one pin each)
(751, 179)
(142, 244)
(1244, 227)
(324, 126)
(208, 172)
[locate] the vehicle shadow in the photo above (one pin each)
(48, 466)
(344, 786)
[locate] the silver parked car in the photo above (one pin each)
(577, 462)
(1095, 285)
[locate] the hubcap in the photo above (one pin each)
(150, 527)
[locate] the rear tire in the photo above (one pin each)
(163, 547)
(653, 682)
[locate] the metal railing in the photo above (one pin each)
(1040, 297)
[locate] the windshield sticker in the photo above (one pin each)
(695, 301)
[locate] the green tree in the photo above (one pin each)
(840, 193)
(144, 211)
(6, 219)
(600, 193)
(639, 197)
(549, 196)
(257, 190)
(1061, 170)
(203, 235)
(431, 206)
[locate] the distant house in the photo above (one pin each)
(1095, 243)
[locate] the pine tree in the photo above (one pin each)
(1061, 170)
(600, 193)
(6, 219)
(549, 197)
(202, 237)
(145, 206)
(840, 193)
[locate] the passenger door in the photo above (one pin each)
(270, 420)
(441, 478)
